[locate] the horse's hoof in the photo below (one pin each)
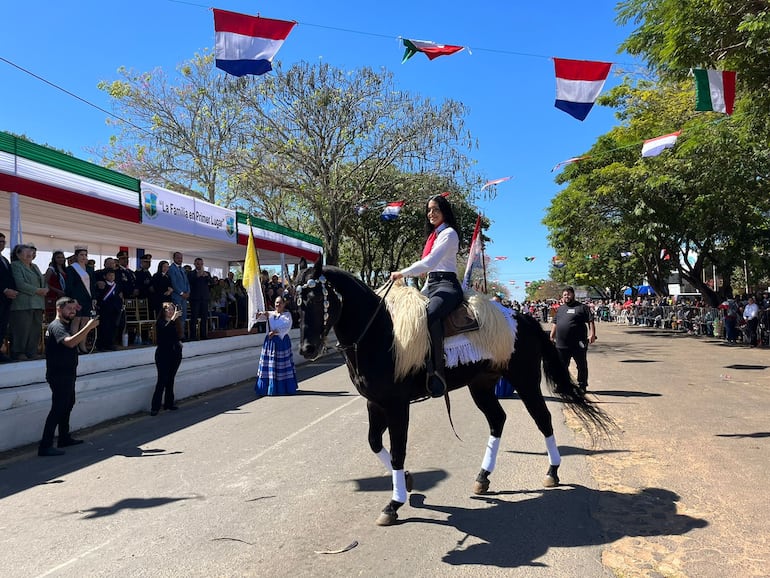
(409, 480)
(387, 519)
(389, 514)
(552, 477)
(550, 482)
(481, 487)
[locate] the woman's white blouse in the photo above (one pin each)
(280, 322)
(442, 257)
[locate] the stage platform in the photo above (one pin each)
(118, 383)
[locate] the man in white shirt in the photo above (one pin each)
(751, 316)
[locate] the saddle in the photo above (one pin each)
(461, 320)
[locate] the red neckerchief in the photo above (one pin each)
(429, 244)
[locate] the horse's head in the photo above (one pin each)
(320, 305)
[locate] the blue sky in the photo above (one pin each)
(506, 79)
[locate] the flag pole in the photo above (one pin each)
(259, 280)
(483, 262)
(255, 282)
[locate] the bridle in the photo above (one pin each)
(353, 363)
(325, 286)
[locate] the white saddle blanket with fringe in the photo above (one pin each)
(459, 349)
(494, 341)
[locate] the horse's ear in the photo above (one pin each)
(319, 265)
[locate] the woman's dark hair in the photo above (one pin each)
(446, 211)
(160, 266)
(53, 260)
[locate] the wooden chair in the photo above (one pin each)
(138, 316)
(146, 319)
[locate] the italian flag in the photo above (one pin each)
(714, 90)
(428, 48)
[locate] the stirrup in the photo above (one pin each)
(435, 385)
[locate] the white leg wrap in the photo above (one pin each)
(384, 456)
(399, 486)
(490, 457)
(554, 458)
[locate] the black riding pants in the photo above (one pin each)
(445, 295)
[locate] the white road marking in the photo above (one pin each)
(299, 431)
(73, 560)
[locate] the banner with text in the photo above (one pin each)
(176, 212)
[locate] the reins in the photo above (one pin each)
(388, 287)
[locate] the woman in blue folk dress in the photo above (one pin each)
(276, 375)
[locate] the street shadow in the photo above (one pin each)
(624, 393)
(518, 528)
(664, 333)
(742, 366)
(320, 366)
(125, 436)
(757, 435)
(570, 451)
(422, 481)
(639, 361)
(127, 504)
(325, 393)
(147, 453)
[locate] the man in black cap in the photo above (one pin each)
(144, 277)
(125, 277)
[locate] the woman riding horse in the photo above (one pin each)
(439, 261)
(332, 298)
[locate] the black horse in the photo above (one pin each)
(330, 297)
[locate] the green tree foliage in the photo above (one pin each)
(544, 290)
(324, 136)
(701, 203)
(676, 35)
(376, 247)
(183, 132)
(302, 147)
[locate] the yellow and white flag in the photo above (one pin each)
(252, 283)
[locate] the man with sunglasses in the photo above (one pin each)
(61, 364)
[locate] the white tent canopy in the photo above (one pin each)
(63, 202)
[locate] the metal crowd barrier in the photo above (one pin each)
(706, 321)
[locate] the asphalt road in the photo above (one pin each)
(683, 487)
(233, 486)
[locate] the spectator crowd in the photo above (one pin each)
(28, 297)
(743, 319)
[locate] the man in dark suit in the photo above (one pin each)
(7, 294)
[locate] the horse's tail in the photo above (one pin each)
(594, 419)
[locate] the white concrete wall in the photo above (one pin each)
(120, 383)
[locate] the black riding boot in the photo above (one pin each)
(436, 384)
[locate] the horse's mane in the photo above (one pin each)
(411, 342)
(355, 290)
